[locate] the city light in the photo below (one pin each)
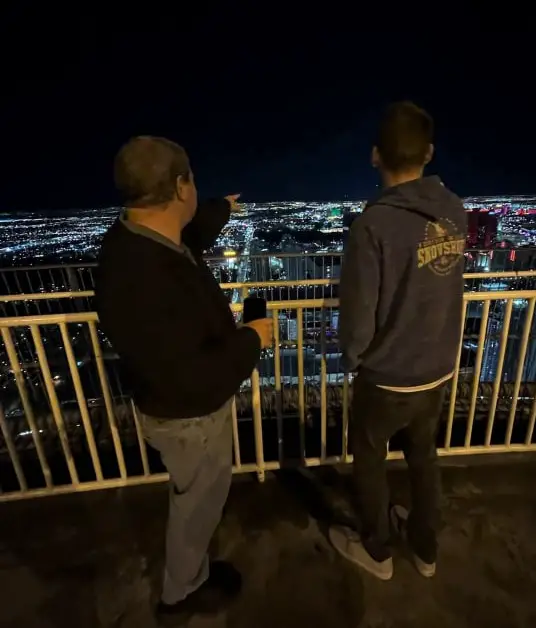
(300, 227)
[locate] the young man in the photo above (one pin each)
(400, 321)
(171, 325)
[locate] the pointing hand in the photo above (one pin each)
(233, 201)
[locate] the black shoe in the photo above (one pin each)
(222, 586)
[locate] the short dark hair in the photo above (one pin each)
(405, 134)
(146, 170)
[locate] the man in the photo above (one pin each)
(171, 325)
(400, 320)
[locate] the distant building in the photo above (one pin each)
(481, 229)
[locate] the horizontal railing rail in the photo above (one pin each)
(238, 267)
(262, 255)
(92, 438)
(250, 286)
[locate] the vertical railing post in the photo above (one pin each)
(54, 404)
(236, 438)
(323, 387)
(454, 382)
(476, 375)
(277, 386)
(26, 404)
(498, 374)
(301, 383)
(345, 416)
(257, 423)
(12, 450)
(520, 368)
(108, 403)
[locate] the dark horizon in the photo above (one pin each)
(271, 114)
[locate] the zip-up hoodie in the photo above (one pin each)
(401, 285)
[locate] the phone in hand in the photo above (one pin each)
(254, 309)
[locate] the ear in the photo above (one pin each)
(429, 154)
(375, 157)
(180, 185)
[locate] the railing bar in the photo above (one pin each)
(42, 296)
(107, 398)
(345, 416)
(256, 256)
(301, 384)
(477, 370)
(54, 404)
(141, 440)
(246, 468)
(80, 278)
(520, 368)
(49, 319)
(17, 281)
(257, 423)
(323, 386)
(498, 377)
(29, 282)
(21, 296)
(12, 450)
(277, 384)
(81, 400)
(26, 404)
(5, 281)
(454, 382)
(236, 437)
(530, 426)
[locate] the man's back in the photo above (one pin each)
(170, 323)
(402, 285)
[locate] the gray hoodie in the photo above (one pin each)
(402, 285)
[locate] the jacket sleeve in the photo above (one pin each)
(358, 293)
(202, 366)
(209, 220)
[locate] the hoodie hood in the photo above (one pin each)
(427, 197)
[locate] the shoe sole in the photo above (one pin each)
(335, 536)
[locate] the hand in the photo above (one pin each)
(233, 202)
(265, 329)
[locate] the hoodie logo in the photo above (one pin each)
(442, 247)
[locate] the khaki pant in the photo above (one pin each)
(198, 456)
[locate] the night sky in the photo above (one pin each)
(276, 109)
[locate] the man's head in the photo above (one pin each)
(153, 173)
(404, 143)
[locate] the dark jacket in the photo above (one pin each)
(402, 285)
(169, 321)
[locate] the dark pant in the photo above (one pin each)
(377, 415)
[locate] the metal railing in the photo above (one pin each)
(81, 299)
(264, 267)
(293, 410)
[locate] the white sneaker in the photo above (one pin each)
(399, 522)
(348, 543)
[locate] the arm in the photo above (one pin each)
(215, 369)
(189, 359)
(209, 220)
(358, 292)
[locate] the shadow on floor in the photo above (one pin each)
(94, 560)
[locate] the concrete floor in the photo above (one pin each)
(94, 560)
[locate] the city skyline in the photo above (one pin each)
(309, 227)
